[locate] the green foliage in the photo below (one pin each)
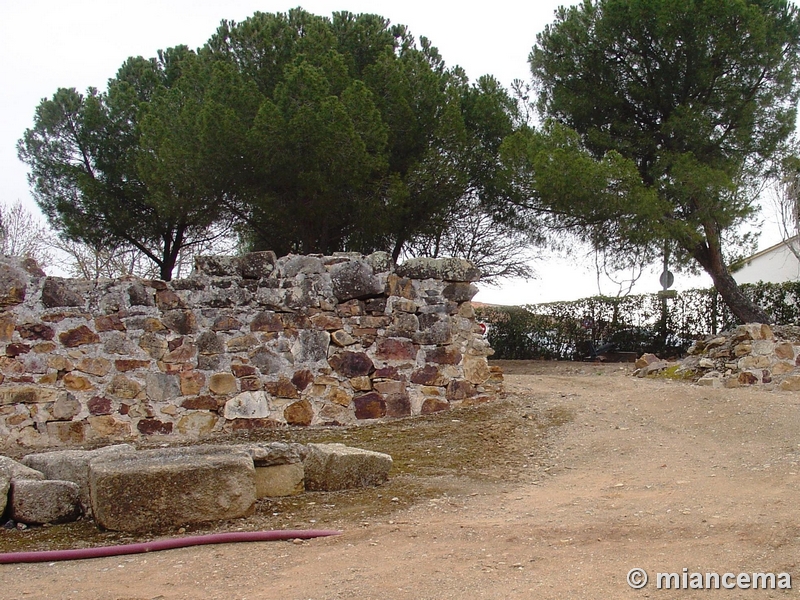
(309, 134)
(364, 139)
(681, 104)
(563, 330)
(146, 164)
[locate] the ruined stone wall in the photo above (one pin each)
(243, 343)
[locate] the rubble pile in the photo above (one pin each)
(751, 354)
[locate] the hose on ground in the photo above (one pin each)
(165, 544)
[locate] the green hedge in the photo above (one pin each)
(564, 330)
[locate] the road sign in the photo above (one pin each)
(666, 279)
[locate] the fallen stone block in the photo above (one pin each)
(37, 502)
(330, 467)
(72, 465)
(270, 454)
(18, 470)
(280, 480)
(157, 489)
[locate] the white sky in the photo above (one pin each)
(47, 44)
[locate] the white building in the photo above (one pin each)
(773, 265)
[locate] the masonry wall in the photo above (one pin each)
(243, 343)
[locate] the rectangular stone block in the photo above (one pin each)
(331, 467)
(157, 489)
(279, 480)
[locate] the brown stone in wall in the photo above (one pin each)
(222, 384)
(60, 363)
(747, 378)
(250, 384)
(459, 390)
(370, 406)
(404, 325)
(109, 323)
(65, 408)
(283, 388)
(395, 349)
(445, 355)
(123, 387)
(243, 370)
(209, 342)
(55, 293)
(80, 336)
(226, 323)
(153, 427)
(154, 345)
(351, 308)
(341, 338)
(66, 432)
(44, 348)
(153, 325)
(302, 379)
(784, 351)
(361, 384)
(241, 343)
(94, 366)
(13, 350)
(432, 405)
(191, 382)
(351, 364)
(295, 321)
(182, 322)
(326, 321)
(387, 373)
(203, 403)
(7, 322)
(251, 424)
(428, 375)
(400, 286)
(99, 405)
(168, 300)
(107, 426)
(76, 383)
(338, 395)
(398, 405)
(266, 321)
(182, 354)
(125, 364)
(35, 331)
(299, 413)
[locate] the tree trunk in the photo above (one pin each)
(710, 258)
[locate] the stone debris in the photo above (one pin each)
(751, 354)
(128, 490)
(36, 502)
(243, 343)
(73, 465)
(331, 467)
(158, 489)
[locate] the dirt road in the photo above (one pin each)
(653, 474)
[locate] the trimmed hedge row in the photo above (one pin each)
(570, 330)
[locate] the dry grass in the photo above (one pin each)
(457, 452)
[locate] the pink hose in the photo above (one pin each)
(166, 544)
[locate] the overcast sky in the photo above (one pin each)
(49, 44)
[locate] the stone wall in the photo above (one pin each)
(243, 343)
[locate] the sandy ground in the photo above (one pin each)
(653, 474)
